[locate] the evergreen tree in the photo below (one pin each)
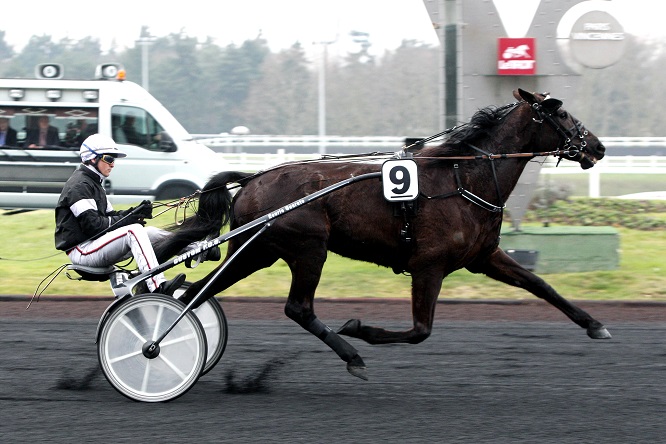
(615, 101)
(6, 51)
(281, 100)
(236, 71)
(40, 49)
(177, 78)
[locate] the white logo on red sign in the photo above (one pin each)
(517, 52)
(516, 56)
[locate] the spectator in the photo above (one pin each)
(44, 135)
(75, 134)
(131, 134)
(7, 133)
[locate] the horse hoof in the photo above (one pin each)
(598, 333)
(358, 371)
(351, 328)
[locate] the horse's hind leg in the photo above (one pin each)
(503, 268)
(426, 285)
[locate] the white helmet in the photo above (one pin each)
(98, 144)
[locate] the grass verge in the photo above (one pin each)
(28, 255)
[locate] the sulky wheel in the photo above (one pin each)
(151, 377)
(214, 323)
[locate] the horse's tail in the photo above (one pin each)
(214, 212)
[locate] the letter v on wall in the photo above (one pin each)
(516, 15)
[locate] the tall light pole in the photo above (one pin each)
(323, 61)
(145, 41)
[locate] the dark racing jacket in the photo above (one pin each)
(83, 210)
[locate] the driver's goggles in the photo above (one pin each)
(107, 158)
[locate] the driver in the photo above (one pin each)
(91, 232)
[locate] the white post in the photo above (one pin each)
(594, 182)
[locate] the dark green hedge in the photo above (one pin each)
(635, 214)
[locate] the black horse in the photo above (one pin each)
(454, 223)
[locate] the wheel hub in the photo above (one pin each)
(151, 350)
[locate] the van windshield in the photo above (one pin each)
(46, 127)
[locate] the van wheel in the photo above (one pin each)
(170, 192)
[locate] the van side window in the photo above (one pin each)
(48, 127)
(135, 126)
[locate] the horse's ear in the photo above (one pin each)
(521, 94)
(551, 104)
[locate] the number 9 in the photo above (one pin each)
(399, 175)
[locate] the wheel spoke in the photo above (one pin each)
(123, 357)
(131, 328)
(158, 321)
(146, 379)
(177, 340)
(175, 369)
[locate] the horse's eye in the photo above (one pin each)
(563, 115)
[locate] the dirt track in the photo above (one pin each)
(490, 373)
(272, 308)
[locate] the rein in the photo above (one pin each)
(180, 205)
(490, 156)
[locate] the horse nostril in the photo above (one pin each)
(601, 148)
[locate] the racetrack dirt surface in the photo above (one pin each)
(510, 372)
(389, 309)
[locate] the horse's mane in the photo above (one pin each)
(479, 127)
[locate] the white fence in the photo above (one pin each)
(341, 144)
(608, 165)
(232, 148)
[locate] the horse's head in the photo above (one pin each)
(575, 142)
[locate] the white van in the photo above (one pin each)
(163, 161)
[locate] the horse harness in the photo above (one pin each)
(408, 210)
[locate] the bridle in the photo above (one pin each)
(568, 136)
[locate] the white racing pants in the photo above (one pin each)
(120, 244)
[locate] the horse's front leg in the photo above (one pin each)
(299, 308)
(500, 266)
(426, 285)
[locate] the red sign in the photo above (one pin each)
(516, 57)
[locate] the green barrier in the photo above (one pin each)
(564, 249)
